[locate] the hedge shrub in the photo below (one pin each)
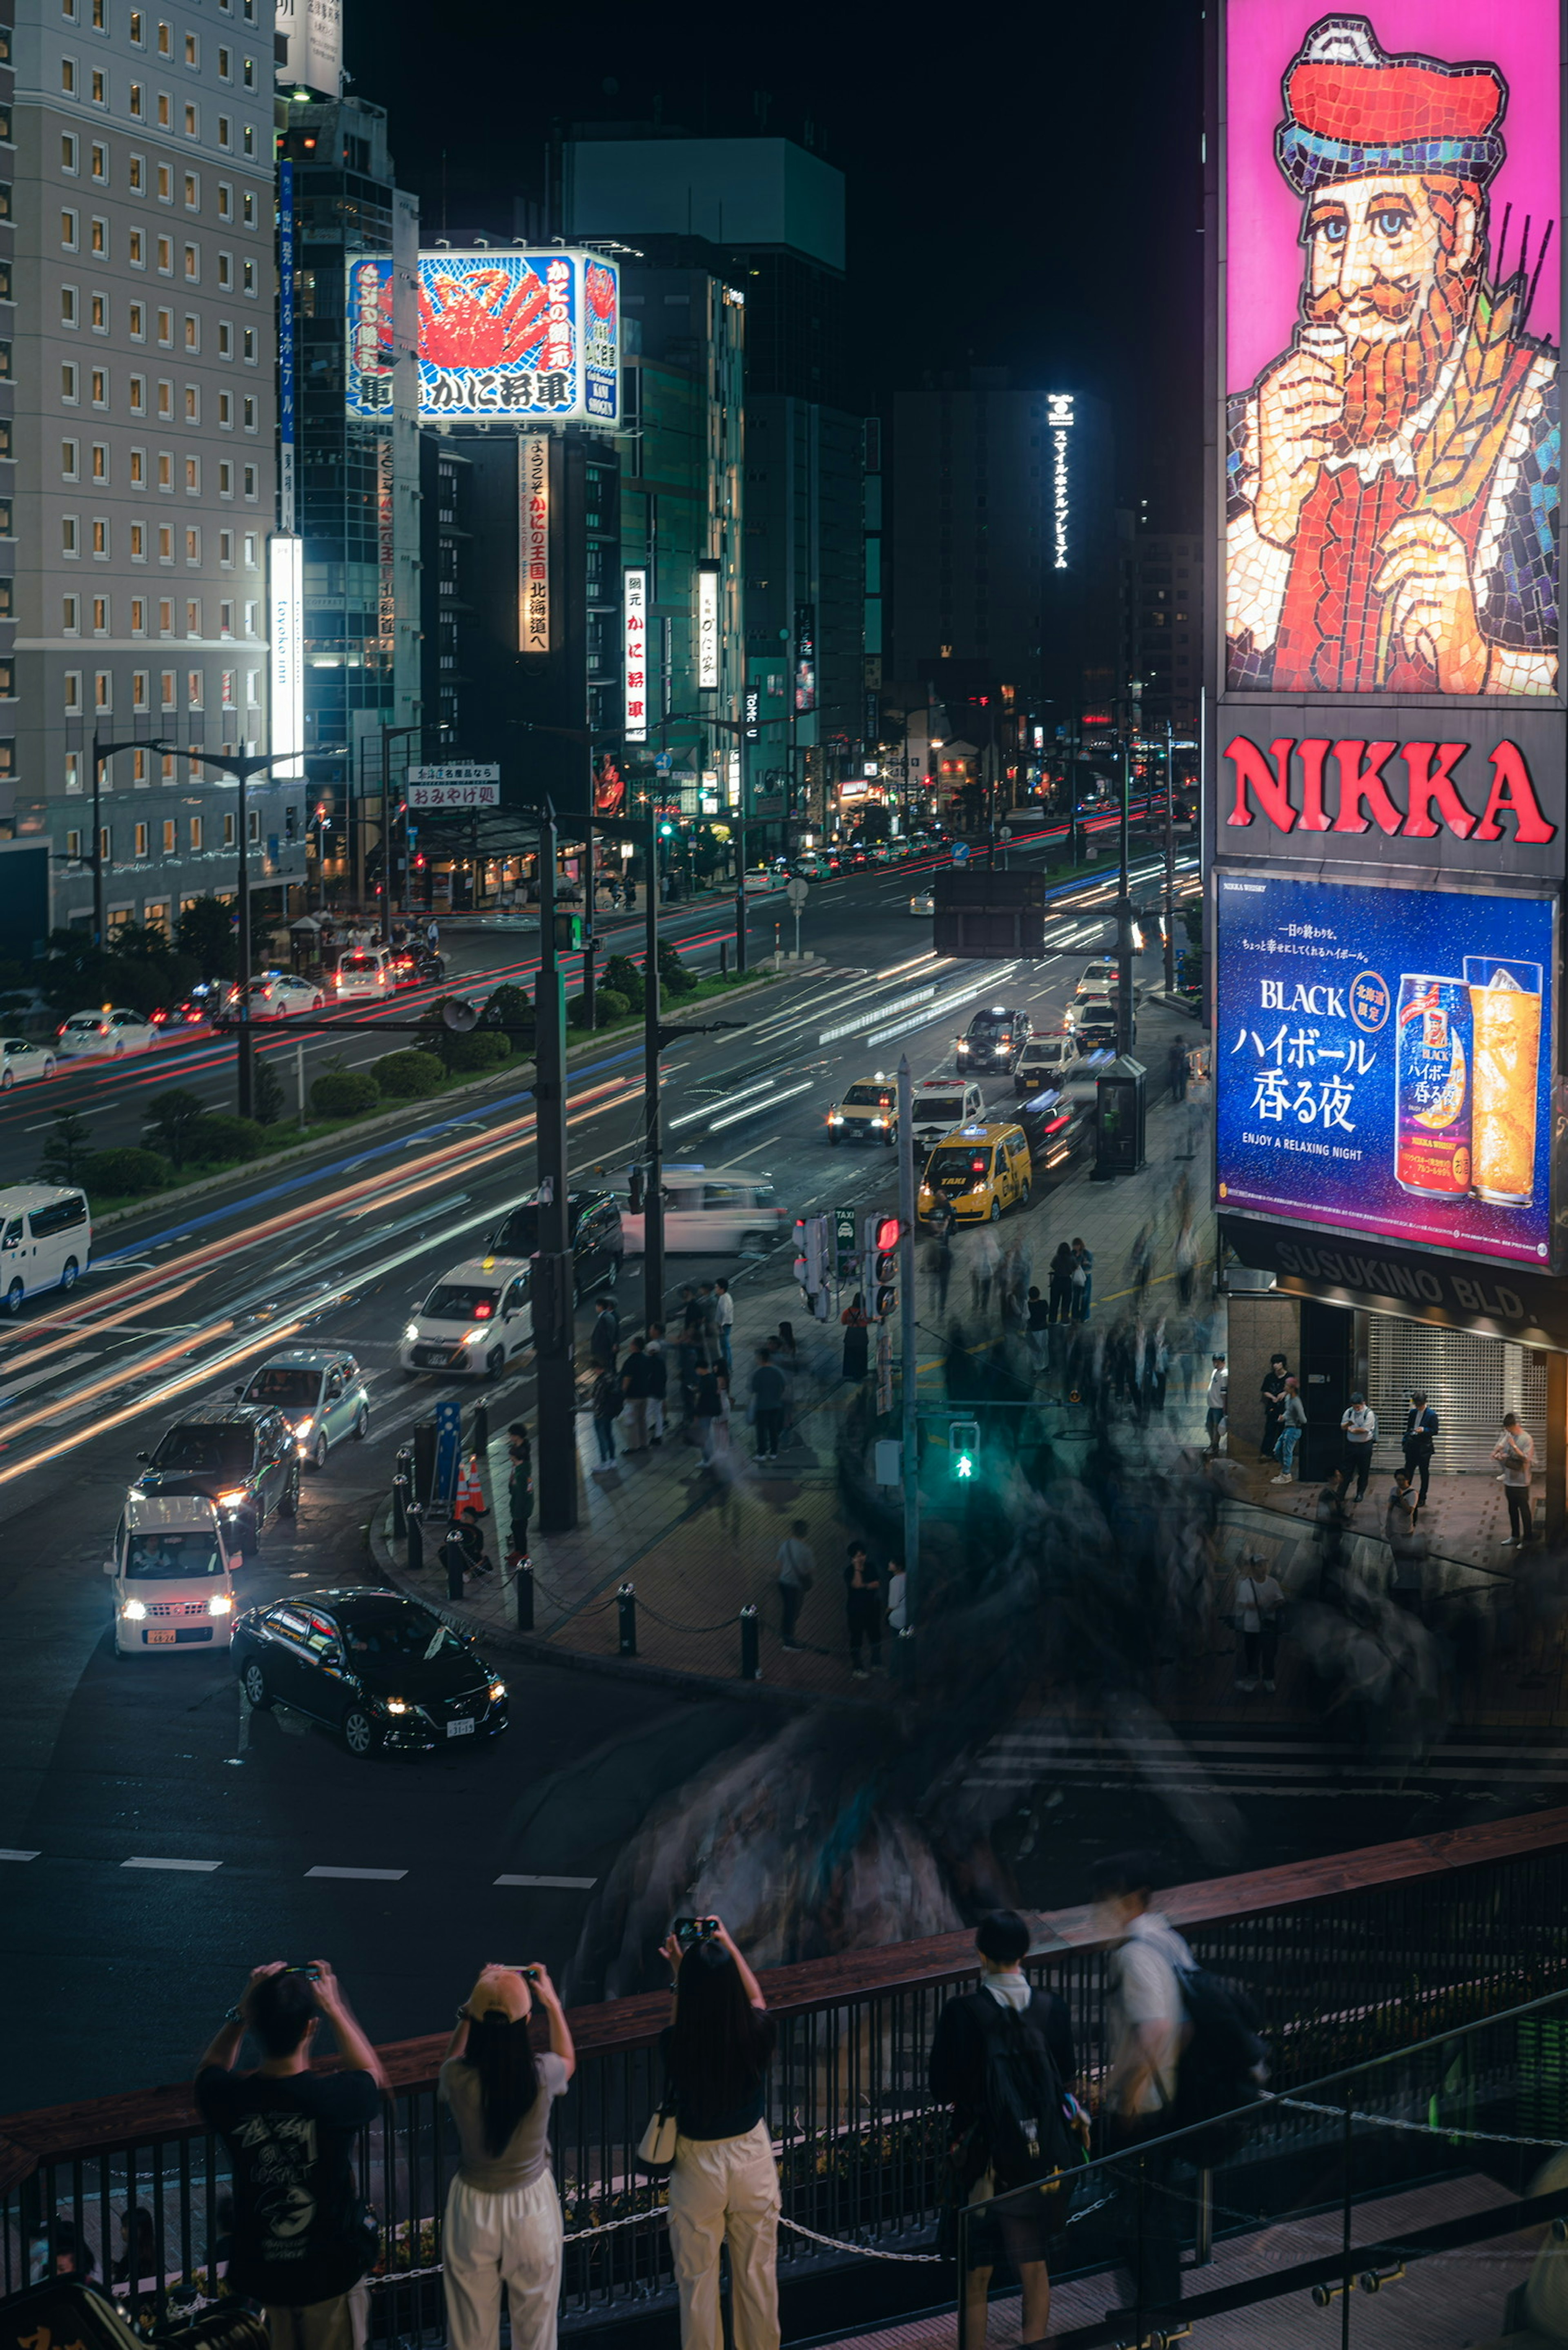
(622, 974)
(123, 1174)
(343, 1092)
(225, 1140)
(411, 1076)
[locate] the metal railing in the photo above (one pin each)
(1347, 1959)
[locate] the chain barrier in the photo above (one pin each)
(1423, 2129)
(643, 1609)
(868, 2252)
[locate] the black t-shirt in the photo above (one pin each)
(959, 2048)
(300, 2231)
(697, 2115)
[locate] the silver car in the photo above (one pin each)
(21, 1061)
(321, 1390)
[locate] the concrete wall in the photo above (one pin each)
(1259, 1327)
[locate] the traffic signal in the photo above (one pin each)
(885, 1271)
(963, 1449)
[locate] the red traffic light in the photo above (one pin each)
(889, 1232)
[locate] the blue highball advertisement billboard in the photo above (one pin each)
(1383, 1062)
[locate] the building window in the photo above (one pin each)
(250, 139)
(191, 130)
(226, 410)
(138, 689)
(247, 276)
(250, 346)
(193, 628)
(138, 245)
(74, 839)
(100, 461)
(137, 33)
(192, 404)
(226, 629)
(136, 172)
(100, 165)
(138, 616)
(228, 827)
(69, 545)
(251, 544)
(248, 70)
(97, 312)
(139, 469)
(165, 470)
(225, 201)
(166, 623)
(252, 825)
(250, 412)
(100, 537)
(166, 256)
(68, 461)
(67, 306)
(193, 543)
(226, 339)
(193, 477)
(166, 330)
(226, 549)
(226, 269)
(69, 232)
(192, 259)
(133, 102)
(103, 689)
(68, 151)
(225, 137)
(166, 401)
(170, 836)
(165, 542)
(166, 683)
(192, 190)
(195, 832)
(73, 692)
(253, 681)
(68, 75)
(7, 680)
(99, 95)
(140, 840)
(250, 481)
(99, 386)
(165, 176)
(68, 610)
(138, 322)
(193, 334)
(193, 55)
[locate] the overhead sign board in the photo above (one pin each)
(312, 35)
(514, 336)
(452, 795)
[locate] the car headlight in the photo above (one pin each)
(411, 1333)
(395, 1704)
(134, 1610)
(220, 1604)
(235, 1501)
(303, 1427)
(879, 1121)
(497, 1690)
(474, 1337)
(834, 1118)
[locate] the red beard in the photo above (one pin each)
(1388, 381)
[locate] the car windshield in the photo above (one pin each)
(203, 1448)
(459, 1301)
(280, 1384)
(409, 1634)
(85, 1020)
(357, 963)
(151, 1556)
(868, 1097)
(944, 1105)
(955, 1168)
(519, 1235)
(984, 1023)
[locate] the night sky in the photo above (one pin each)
(1023, 187)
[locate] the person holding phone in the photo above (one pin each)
(724, 2187)
(502, 2223)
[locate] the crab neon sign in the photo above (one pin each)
(514, 336)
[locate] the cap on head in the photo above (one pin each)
(1352, 110)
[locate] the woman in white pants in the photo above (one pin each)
(724, 2187)
(503, 2222)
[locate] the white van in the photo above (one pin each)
(45, 1239)
(712, 1212)
(474, 1319)
(173, 1575)
(939, 1104)
(362, 971)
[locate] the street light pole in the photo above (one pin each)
(1169, 860)
(388, 735)
(553, 1300)
(653, 1190)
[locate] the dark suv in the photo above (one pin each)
(242, 1456)
(593, 1226)
(995, 1038)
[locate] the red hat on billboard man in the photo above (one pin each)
(1392, 155)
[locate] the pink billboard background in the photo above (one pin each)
(1265, 255)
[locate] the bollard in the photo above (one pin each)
(525, 1581)
(626, 1604)
(479, 1441)
(400, 1507)
(416, 1540)
(751, 1667)
(724, 957)
(452, 1553)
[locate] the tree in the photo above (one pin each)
(510, 1007)
(674, 977)
(623, 975)
(66, 1149)
(266, 1093)
(206, 930)
(172, 1122)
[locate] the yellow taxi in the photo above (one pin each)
(867, 1113)
(978, 1170)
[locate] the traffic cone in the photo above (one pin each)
(470, 1493)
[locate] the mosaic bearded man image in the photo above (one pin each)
(1393, 478)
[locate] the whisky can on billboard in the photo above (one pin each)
(1432, 1144)
(1505, 1014)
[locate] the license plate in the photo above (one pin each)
(460, 1730)
(160, 1640)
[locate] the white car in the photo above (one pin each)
(712, 1212)
(107, 1035)
(1045, 1061)
(277, 995)
(364, 971)
(474, 1319)
(173, 1575)
(941, 1103)
(21, 1062)
(924, 901)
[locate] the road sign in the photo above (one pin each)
(1006, 832)
(797, 892)
(449, 1433)
(844, 1233)
(961, 852)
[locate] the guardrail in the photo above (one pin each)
(1348, 1958)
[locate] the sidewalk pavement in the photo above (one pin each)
(697, 1546)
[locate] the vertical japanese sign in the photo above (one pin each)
(1059, 426)
(386, 553)
(534, 543)
(635, 610)
(1383, 1062)
(805, 657)
(601, 341)
(286, 607)
(371, 349)
(287, 389)
(708, 627)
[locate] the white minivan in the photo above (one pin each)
(941, 1103)
(173, 1575)
(476, 1318)
(712, 1212)
(45, 1239)
(362, 973)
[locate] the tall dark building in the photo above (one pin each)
(1162, 625)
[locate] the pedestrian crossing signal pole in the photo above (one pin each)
(909, 1367)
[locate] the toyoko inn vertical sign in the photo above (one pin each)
(534, 543)
(1385, 680)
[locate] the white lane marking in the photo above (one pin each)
(197, 1867)
(691, 1116)
(5, 1854)
(760, 1109)
(384, 1876)
(562, 1884)
(10, 1388)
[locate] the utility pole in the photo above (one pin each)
(388, 735)
(1169, 861)
(1124, 917)
(553, 1300)
(653, 1194)
(906, 1321)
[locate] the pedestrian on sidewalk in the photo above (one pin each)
(303, 2241)
(1406, 1544)
(1175, 1063)
(1039, 1328)
(636, 1387)
(1291, 1422)
(1147, 2024)
(604, 1340)
(797, 1573)
(1255, 1604)
(690, 1350)
(941, 1252)
(856, 1323)
(1061, 1284)
(606, 1400)
(1358, 1431)
(454, 1558)
(983, 1268)
(769, 1392)
(1186, 1264)
(1515, 1454)
(724, 2187)
(471, 1533)
(724, 1315)
(1006, 2029)
(710, 1409)
(898, 1596)
(786, 1355)
(708, 1330)
(1214, 1415)
(1421, 1441)
(657, 1381)
(1083, 1280)
(1140, 1261)
(864, 1609)
(1272, 1395)
(519, 1490)
(503, 2218)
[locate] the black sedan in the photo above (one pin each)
(383, 1669)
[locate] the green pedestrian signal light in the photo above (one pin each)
(963, 1449)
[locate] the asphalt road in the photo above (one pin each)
(156, 1840)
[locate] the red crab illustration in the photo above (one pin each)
(486, 318)
(601, 290)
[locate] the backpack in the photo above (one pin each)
(1222, 2067)
(1023, 2122)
